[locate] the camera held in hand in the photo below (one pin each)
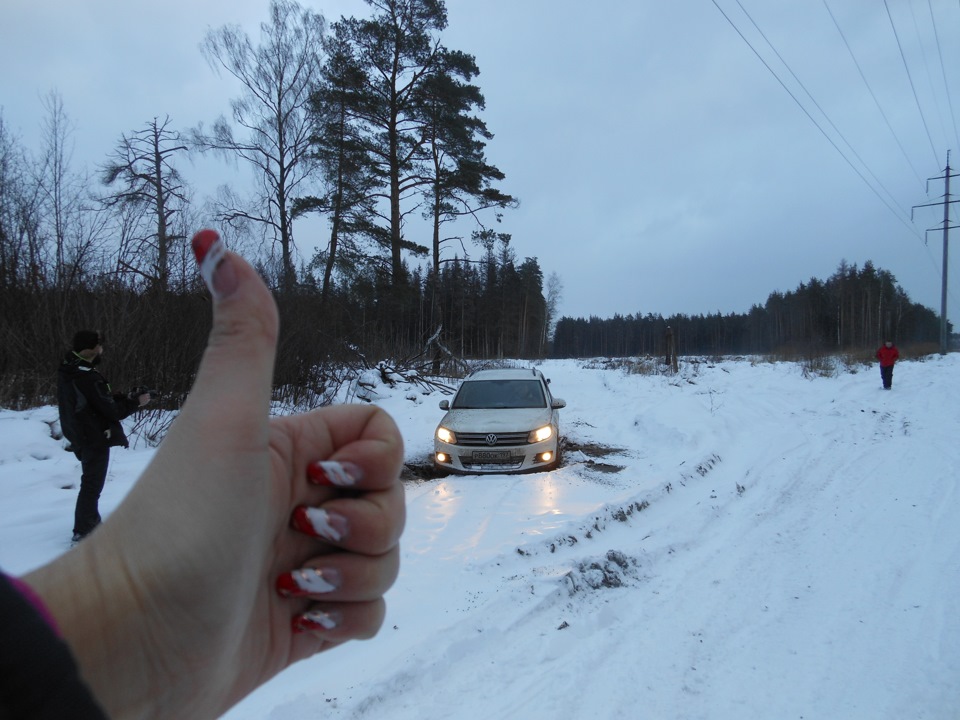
(143, 390)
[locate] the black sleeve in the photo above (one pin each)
(125, 406)
(39, 678)
(97, 392)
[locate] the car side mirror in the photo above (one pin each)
(444, 404)
(558, 403)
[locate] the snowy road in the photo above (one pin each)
(741, 541)
(774, 546)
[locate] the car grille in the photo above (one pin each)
(480, 439)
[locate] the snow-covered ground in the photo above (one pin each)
(743, 540)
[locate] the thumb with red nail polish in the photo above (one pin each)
(242, 345)
(210, 252)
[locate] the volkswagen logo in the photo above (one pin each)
(491, 439)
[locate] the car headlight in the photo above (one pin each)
(447, 436)
(541, 434)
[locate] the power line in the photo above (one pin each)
(818, 126)
(926, 67)
(910, 227)
(817, 105)
(910, 78)
(943, 70)
(872, 94)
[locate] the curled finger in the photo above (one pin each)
(339, 622)
(342, 577)
(367, 522)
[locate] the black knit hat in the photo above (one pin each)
(86, 340)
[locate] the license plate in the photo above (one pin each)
(491, 455)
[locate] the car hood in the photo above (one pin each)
(497, 420)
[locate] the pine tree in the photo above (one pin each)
(398, 50)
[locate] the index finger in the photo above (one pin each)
(362, 435)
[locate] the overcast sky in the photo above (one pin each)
(661, 167)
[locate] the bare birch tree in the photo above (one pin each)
(65, 205)
(270, 117)
(151, 194)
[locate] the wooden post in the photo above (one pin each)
(670, 357)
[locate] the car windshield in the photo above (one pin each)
(476, 394)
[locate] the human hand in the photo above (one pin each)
(172, 606)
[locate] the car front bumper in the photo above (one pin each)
(499, 459)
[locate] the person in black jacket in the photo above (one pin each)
(90, 418)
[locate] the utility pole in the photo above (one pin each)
(947, 202)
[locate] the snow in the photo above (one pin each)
(746, 539)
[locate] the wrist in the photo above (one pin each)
(37, 602)
(88, 596)
(41, 677)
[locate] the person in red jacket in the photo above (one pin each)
(887, 355)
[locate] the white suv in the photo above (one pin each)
(500, 421)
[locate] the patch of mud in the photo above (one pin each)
(592, 450)
(586, 454)
(417, 472)
(615, 570)
(604, 467)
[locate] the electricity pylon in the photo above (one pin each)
(947, 202)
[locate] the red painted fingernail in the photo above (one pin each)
(202, 241)
(210, 251)
(334, 474)
(320, 523)
(308, 581)
(315, 620)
